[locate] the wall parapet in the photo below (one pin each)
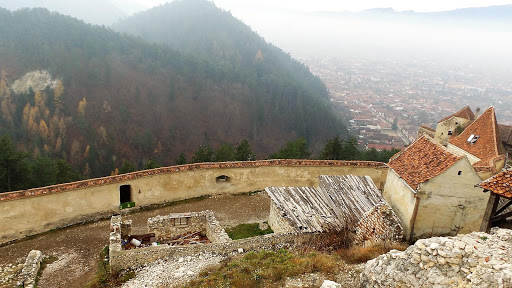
(183, 168)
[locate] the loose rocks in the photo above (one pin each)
(172, 272)
(472, 260)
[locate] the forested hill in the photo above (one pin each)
(110, 97)
(278, 84)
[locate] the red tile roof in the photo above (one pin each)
(465, 113)
(489, 145)
(500, 184)
(422, 160)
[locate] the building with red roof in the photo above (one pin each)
(481, 142)
(431, 189)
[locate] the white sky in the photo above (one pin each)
(346, 5)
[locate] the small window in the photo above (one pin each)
(460, 173)
(223, 178)
(450, 132)
(473, 138)
(181, 221)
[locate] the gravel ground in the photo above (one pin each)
(176, 272)
(172, 272)
(77, 248)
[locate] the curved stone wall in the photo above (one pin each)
(33, 211)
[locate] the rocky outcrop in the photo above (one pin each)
(472, 260)
(37, 80)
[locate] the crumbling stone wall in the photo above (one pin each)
(30, 269)
(379, 225)
(97, 198)
(134, 258)
(471, 260)
(172, 225)
(276, 221)
(214, 231)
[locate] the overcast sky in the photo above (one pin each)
(347, 5)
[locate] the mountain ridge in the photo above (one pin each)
(125, 99)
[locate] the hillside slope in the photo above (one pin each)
(113, 97)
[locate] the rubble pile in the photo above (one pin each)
(172, 272)
(471, 260)
(138, 241)
(189, 238)
(9, 274)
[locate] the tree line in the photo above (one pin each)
(20, 170)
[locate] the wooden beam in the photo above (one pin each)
(502, 216)
(492, 205)
(502, 208)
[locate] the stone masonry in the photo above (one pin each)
(175, 224)
(378, 225)
(30, 269)
(470, 260)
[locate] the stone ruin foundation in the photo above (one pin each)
(471, 260)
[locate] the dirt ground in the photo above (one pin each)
(77, 248)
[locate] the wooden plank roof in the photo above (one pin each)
(338, 203)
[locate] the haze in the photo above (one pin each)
(318, 29)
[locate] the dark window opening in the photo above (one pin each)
(125, 192)
(473, 138)
(450, 132)
(460, 173)
(180, 221)
(223, 178)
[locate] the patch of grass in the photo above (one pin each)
(358, 254)
(103, 278)
(247, 230)
(483, 237)
(266, 269)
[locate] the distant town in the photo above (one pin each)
(385, 101)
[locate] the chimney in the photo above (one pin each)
(477, 112)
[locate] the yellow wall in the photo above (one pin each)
(401, 198)
(450, 204)
(441, 135)
(35, 214)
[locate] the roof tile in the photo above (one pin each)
(422, 160)
(500, 184)
(489, 145)
(465, 113)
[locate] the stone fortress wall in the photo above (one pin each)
(38, 210)
(120, 259)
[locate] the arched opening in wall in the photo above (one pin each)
(222, 178)
(125, 194)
